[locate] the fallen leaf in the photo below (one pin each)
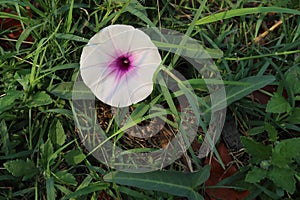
(218, 174)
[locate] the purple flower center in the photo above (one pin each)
(121, 65)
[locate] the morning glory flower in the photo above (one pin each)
(118, 64)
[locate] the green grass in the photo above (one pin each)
(41, 155)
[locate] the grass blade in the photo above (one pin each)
(95, 187)
(24, 35)
(68, 36)
(237, 92)
(51, 193)
(244, 11)
(175, 183)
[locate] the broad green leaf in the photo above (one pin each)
(21, 168)
(292, 79)
(8, 100)
(285, 151)
(175, 183)
(46, 153)
(40, 99)
(284, 178)
(74, 157)
(242, 12)
(57, 133)
(294, 118)
(272, 132)
(237, 92)
(255, 175)
(4, 142)
(278, 104)
(258, 151)
(65, 178)
(50, 189)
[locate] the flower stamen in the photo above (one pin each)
(123, 63)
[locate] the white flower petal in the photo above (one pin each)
(109, 32)
(93, 64)
(140, 84)
(141, 41)
(111, 84)
(115, 93)
(142, 58)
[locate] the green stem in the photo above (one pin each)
(263, 56)
(30, 129)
